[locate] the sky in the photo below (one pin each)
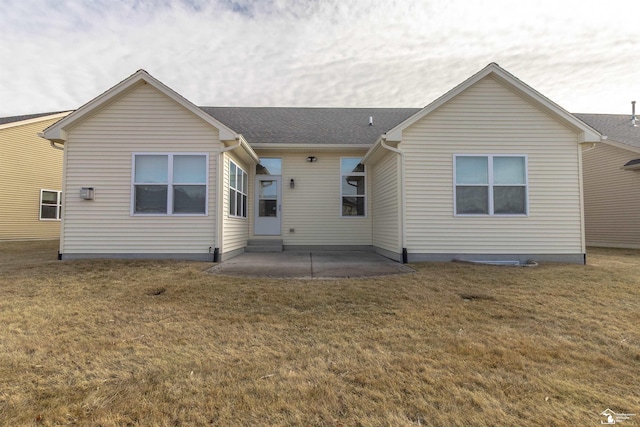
(56, 55)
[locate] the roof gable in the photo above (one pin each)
(58, 131)
(587, 133)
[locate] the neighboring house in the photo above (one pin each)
(31, 179)
(612, 182)
(489, 171)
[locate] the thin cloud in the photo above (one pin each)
(310, 53)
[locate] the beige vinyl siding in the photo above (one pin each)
(99, 154)
(611, 198)
(385, 202)
(488, 118)
(313, 207)
(236, 230)
(27, 164)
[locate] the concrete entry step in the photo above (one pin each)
(266, 245)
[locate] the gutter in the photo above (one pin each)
(51, 142)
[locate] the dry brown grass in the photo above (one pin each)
(163, 343)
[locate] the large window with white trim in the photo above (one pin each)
(50, 205)
(238, 190)
(490, 185)
(352, 187)
(169, 184)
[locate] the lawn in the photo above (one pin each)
(164, 343)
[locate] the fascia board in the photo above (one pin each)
(35, 120)
(248, 150)
(308, 147)
(621, 145)
(367, 159)
(141, 76)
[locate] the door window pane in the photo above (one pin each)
(268, 189)
(472, 170)
(267, 208)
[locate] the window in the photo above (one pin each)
(170, 184)
(490, 185)
(238, 190)
(269, 166)
(50, 205)
(352, 186)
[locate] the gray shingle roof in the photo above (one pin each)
(616, 127)
(12, 119)
(310, 125)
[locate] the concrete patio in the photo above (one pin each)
(310, 265)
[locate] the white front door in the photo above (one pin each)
(267, 205)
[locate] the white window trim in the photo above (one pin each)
(169, 184)
(366, 188)
(491, 185)
(244, 192)
(58, 205)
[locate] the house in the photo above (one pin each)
(491, 170)
(31, 179)
(612, 182)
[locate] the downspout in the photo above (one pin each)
(64, 194)
(219, 196)
(402, 197)
(52, 143)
